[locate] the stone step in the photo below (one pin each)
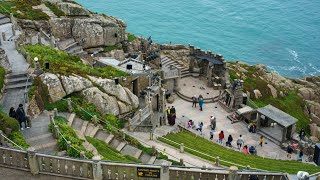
(71, 118)
(109, 139)
(145, 158)
(114, 143)
(90, 127)
(104, 136)
(17, 80)
(2, 16)
(16, 75)
(5, 21)
(34, 140)
(121, 146)
(161, 162)
(84, 127)
(51, 148)
(131, 151)
(79, 53)
(185, 75)
(18, 86)
(65, 43)
(94, 131)
(75, 49)
(90, 147)
(47, 144)
(77, 124)
(152, 160)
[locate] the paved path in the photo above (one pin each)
(12, 97)
(184, 108)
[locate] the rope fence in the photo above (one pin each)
(11, 141)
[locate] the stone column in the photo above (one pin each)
(56, 132)
(181, 148)
(217, 161)
(233, 174)
(55, 112)
(32, 160)
(96, 168)
(52, 41)
(164, 172)
(82, 154)
(122, 134)
(4, 36)
(13, 29)
(16, 44)
(69, 105)
(12, 18)
(140, 115)
(39, 38)
(151, 135)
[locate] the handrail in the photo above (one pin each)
(11, 141)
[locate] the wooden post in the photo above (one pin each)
(181, 148)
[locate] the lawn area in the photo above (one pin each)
(22, 9)
(63, 63)
(200, 144)
(109, 153)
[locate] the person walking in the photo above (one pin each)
(230, 139)
(12, 113)
(261, 141)
(240, 142)
(21, 115)
(199, 128)
(221, 137)
(302, 133)
(213, 123)
(194, 101)
(173, 115)
(211, 133)
(201, 103)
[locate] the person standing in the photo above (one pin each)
(213, 122)
(12, 113)
(211, 133)
(21, 115)
(173, 110)
(194, 101)
(302, 133)
(245, 149)
(240, 142)
(261, 141)
(230, 139)
(173, 115)
(199, 128)
(201, 103)
(221, 137)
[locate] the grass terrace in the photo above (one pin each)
(214, 150)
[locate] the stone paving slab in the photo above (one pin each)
(190, 86)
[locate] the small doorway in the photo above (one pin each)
(135, 88)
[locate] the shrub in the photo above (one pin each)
(55, 9)
(61, 105)
(8, 122)
(84, 109)
(131, 37)
(17, 137)
(114, 121)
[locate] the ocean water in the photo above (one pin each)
(282, 34)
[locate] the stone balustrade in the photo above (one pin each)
(37, 163)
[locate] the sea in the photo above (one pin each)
(284, 35)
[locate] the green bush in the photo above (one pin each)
(8, 122)
(61, 105)
(17, 137)
(55, 9)
(114, 121)
(2, 76)
(131, 37)
(66, 64)
(84, 109)
(31, 91)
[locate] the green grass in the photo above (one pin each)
(25, 7)
(291, 104)
(17, 137)
(66, 64)
(55, 9)
(61, 105)
(131, 37)
(2, 76)
(109, 153)
(200, 144)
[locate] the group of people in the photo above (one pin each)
(171, 115)
(196, 100)
(19, 115)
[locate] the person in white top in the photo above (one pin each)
(240, 142)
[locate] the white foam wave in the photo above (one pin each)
(294, 54)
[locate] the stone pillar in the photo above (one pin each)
(56, 132)
(13, 29)
(4, 36)
(51, 118)
(150, 107)
(96, 168)
(122, 134)
(164, 172)
(32, 161)
(69, 105)
(140, 115)
(154, 151)
(181, 148)
(55, 112)
(181, 162)
(151, 135)
(258, 120)
(130, 128)
(217, 161)
(12, 18)
(16, 44)
(284, 134)
(28, 57)
(52, 41)
(2, 138)
(94, 119)
(82, 154)
(68, 145)
(39, 38)
(233, 173)
(38, 70)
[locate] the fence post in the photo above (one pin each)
(68, 145)
(4, 36)
(233, 175)
(55, 112)
(56, 131)
(217, 161)
(122, 134)
(248, 167)
(1, 138)
(140, 115)
(82, 154)
(95, 120)
(181, 162)
(130, 128)
(13, 29)
(96, 168)
(69, 105)
(164, 172)
(52, 41)
(182, 148)
(151, 135)
(32, 161)
(51, 118)
(12, 18)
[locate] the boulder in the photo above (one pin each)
(273, 91)
(314, 130)
(73, 9)
(4, 61)
(314, 139)
(105, 104)
(133, 98)
(313, 107)
(112, 89)
(75, 83)
(257, 93)
(307, 93)
(54, 86)
(315, 119)
(61, 28)
(124, 108)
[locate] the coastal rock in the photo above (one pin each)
(4, 61)
(314, 130)
(133, 98)
(124, 108)
(257, 93)
(315, 119)
(117, 54)
(273, 91)
(61, 28)
(111, 88)
(313, 139)
(313, 107)
(105, 104)
(54, 86)
(279, 80)
(307, 93)
(73, 9)
(75, 83)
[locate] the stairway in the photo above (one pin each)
(17, 81)
(88, 129)
(167, 62)
(4, 19)
(71, 46)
